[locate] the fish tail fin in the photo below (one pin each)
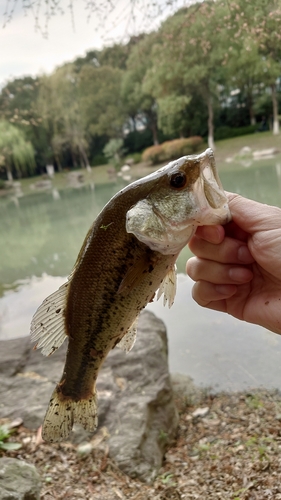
(63, 412)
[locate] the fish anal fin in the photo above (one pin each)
(134, 275)
(128, 341)
(168, 287)
(63, 413)
(48, 329)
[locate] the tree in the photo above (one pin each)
(100, 101)
(59, 105)
(139, 103)
(18, 105)
(15, 152)
(137, 16)
(260, 23)
(189, 59)
(245, 71)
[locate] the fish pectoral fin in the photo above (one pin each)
(168, 287)
(128, 341)
(48, 325)
(62, 414)
(134, 275)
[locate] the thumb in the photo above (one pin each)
(252, 216)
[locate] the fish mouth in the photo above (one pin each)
(213, 189)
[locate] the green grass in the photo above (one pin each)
(230, 147)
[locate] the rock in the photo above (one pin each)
(265, 153)
(144, 420)
(125, 168)
(42, 184)
(18, 480)
(246, 150)
(130, 162)
(75, 179)
(184, 388)
(135, 395)
(200, 412)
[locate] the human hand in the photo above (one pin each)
(237, 267)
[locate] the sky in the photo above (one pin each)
(24, 50)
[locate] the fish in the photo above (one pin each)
(128, 255)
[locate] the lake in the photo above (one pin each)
(40, 237)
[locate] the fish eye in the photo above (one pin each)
(178, 180)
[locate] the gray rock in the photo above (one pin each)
(186, 390)
(135, 395)
(18, 480)
(143, 421)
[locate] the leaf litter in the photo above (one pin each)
(228, 446)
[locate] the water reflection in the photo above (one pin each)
(41, 234)
(39, 228)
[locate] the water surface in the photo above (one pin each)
(41, 234)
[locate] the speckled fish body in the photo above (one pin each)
(128, 254)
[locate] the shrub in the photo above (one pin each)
(154, 154)
(171, 150)
(137, 157)
(226, 132)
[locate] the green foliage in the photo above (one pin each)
(5, 433)
(137, 157)
(211, 69)
(227, 132)
(19, 106)
(100, 105)
(253, 401)
(170, 150)
(113, 150)
(137, 99)
(15, 152)
(138, 140)
(167, 479)
(98, 159)
(171, 113)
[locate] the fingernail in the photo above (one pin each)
(244, 255)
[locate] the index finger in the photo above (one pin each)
(252, 216)
(212, 234)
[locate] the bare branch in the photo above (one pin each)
(134, 16)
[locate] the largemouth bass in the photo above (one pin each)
(128, 254)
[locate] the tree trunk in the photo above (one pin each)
(9, 174)
(56, 156)
(84, 156)
(211, 142)
(249, 88)
(275, 110)
(253, 119)
(154, 130)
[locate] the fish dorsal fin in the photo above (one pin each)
(168, 287)
(134, 275)
(128, 341)
(48, 326)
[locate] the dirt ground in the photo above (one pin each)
(227, 448)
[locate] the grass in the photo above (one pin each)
(229, 147)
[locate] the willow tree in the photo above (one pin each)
(15, 152)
